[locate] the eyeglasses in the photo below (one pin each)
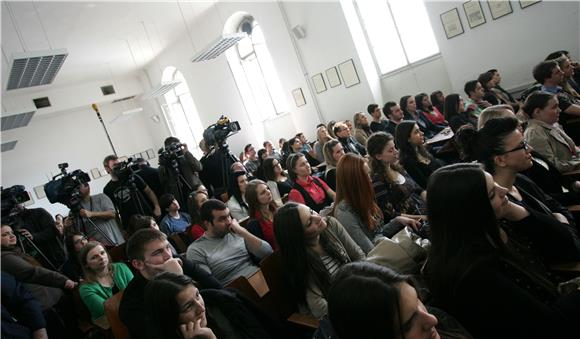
(525, 146)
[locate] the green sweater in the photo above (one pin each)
(94, 294)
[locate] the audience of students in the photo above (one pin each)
(428, 111)
(409, 107)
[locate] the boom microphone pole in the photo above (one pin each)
(94, 106)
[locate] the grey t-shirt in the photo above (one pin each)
(101, 203)
(225, 258)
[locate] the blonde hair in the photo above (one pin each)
(494, 112)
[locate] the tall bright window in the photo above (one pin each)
(399, 32)
(255, 74)
(181, 112)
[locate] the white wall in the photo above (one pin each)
(513, 44)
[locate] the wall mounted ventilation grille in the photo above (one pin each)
(16, 120)
(160, 90)
(31, 69)
(218, 47)
(8, 146)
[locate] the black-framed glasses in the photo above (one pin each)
(525, 146)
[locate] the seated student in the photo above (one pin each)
(413, 154)
(546, 136)
(251, 163)
(174, 221)
(362, 129)
(177, 309)
(357, 210)
(322, 138)
(262, 211)
(456, 114)
(333, 151)
(550, 76)
(378, 123)
(195, 200)
(427, 110)
(470, 253)
(277, 181)
(395, 191)
(566, 66)
(237, 205)
(575, 66)
(262, 155)
(313, 192)
(224, 249)
(475, 93)
(501, 147)
(139, 222)
(307, 149)
(487, 82)
(438, 100)
(503, 96)
(343, 134)
(74, 241)
(395, 115)
(312, 249)
(367, 300)
(409, 107)
(45, 285)
(103, 278)
(149, 253)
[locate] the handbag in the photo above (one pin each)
(404, 252)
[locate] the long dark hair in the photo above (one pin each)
(485, 144)
(193, 207)
(269, 169)
(252, 198)
(464, 228)
(161, 304)
(435, 100)
(235, 188)
(419, 102)
(451, 106)
(403, 103)
(69, 244)
(376, 143)
(302, 263)
(363, 301)
(408, 151)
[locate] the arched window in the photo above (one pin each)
(253, 69)
(181, 112)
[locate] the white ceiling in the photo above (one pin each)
(105, 40)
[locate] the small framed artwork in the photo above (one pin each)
(95, 173)
(143, 155)
(499, 8)
(524, 4)
(349, 74)
(298, 97)
(332, 76)
(150, 154)
(123, 158)
(39, 191)
(474, 13)
(103, 172)
(319, 84)
(451, 23)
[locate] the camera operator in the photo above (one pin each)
(123, 198)
(100, 209)
(188, 168)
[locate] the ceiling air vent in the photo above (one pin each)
(31, 69)
(123, 99)
(8, 146)
(218, 47)
(160, 90)
(107, 90)
(16, 120)
(41, 102)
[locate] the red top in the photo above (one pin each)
(435, 117)
(267, 229)
(196, 231)
(317, 194)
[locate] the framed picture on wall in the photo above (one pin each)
(474, 13)
(95, 173)
(332, 76)
(298, 97)
(39, 191)
(499, 8)
(319, 84)
(150, 154)
(349, 74)
(451, 23)
(524, 4)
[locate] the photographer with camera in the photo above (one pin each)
(127, 191)
(178, 170)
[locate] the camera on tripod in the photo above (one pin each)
(12, 197)
(171, 153)
(65, 190)
(124, 170)
(217, 133)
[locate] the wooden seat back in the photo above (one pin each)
(119, 329)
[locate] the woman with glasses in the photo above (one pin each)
(277, 181)
(312, 250)
(546, 136)
(503, 151)
(476, 271)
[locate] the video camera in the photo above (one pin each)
(65, 190)
(125, 169)
(220, 131)
(171, 153)
(11, 197)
